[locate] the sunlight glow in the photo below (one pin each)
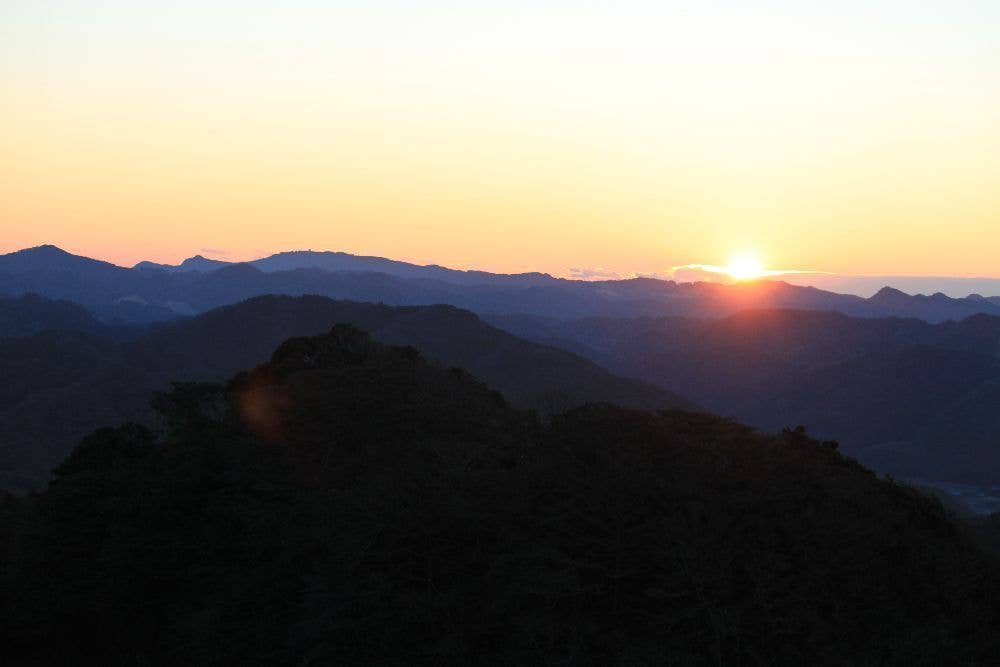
(451, 132)
(745, 267)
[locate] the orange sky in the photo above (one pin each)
(860, 138)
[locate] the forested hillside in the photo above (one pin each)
(89, 381)
(909, 397)
(350, 503)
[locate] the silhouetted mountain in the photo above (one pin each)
(196, 264)
(111, 292)
(31, 313)
(153, 266)
(870, 284)
(142, 295)
(345, 262)
(934, 308)
(351, 503)
(49, 258)
(903, 395)
(89, 381)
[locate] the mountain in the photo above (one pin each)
(197, 263)
(336, 262)
(349, 502)
(89, 381)
(903, 395)
(51, 272)
(144, 294)
(31, 313)
(113, 293)
(49, 258)
(346, 262)
(869, 284)
(934, 308)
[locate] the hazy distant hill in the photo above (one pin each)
(341, 261)
(350, 503)
(114, 293)
(870, 284)
(346, 262)
(197, 264)
(933, 308)
(31, 313)
(60, 385)
(906, 396)
(149, 294)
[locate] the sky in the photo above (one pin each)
(576, 138)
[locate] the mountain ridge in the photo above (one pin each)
(886, 388)
(92, 381)
(143, 295)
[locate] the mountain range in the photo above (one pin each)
(227, 465)
(909, 384)
(904, 395)
(89, 379)
(155, 292)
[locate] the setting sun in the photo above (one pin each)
(745, 267)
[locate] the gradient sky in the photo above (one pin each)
(848, 137)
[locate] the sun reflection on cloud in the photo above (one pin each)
(741, 268)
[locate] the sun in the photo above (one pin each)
(745, 266)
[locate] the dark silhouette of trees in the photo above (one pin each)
(351, 503)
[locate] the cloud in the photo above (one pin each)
(594, 273)
(691, 273)
(704, 273)
(710, 273)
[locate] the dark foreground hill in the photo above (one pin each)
(906, 396)
(350, 503)
(58, 386)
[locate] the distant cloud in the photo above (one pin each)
(689, 273)
(594, 273)
(705, 273)
(710, 273)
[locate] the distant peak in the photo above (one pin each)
(203, 259)
(889, 293)
(46, 249)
